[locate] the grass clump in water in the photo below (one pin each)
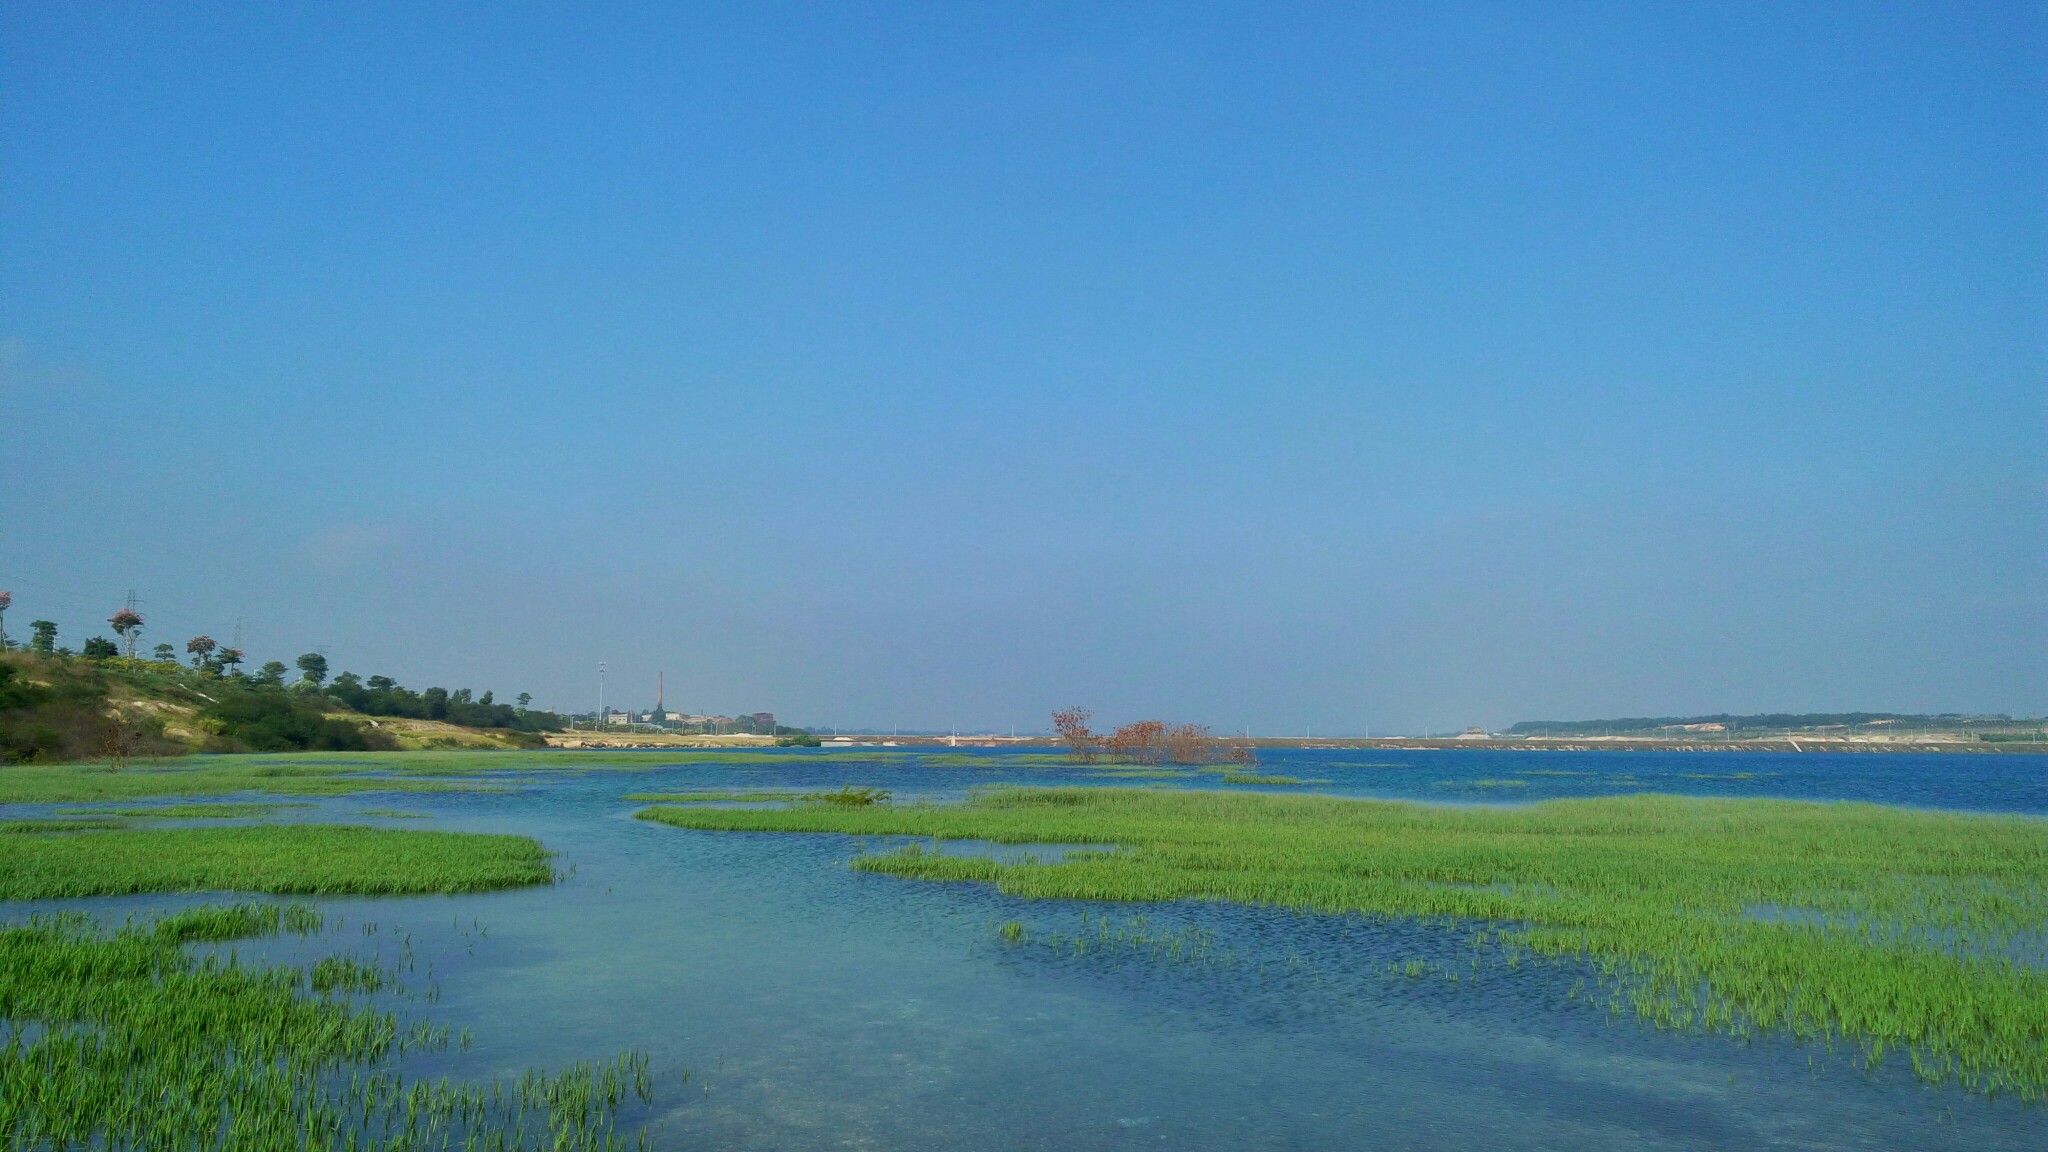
(1255, 778)
(126, 1040)
(1909, 925)
(1132, 936)
(8, 827)
(850, 796)
(749, 797)
(282, 858)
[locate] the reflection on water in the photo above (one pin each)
(818, 1007)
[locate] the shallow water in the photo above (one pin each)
(818, 1007)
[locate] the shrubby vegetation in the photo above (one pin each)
(383, 696)
(52, 708)
(55, 707)
(1147, 742)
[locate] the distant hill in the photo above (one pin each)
(1769, 721)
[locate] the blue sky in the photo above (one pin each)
(1334, 368)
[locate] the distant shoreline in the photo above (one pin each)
(1927, 743)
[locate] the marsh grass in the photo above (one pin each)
(187, 811)
(850, 796)
(279, 858)
(748, 797)
(1909, 919)
(8, 827)
(1255, 778)
(202, 776)
(126, 1040)
(1129, 936)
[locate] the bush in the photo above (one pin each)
(261, 718)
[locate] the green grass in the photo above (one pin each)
(1905, 917)
(396, 814)
(199, 811)
(1255, 778)
(126, 1040)
(750, 797)
(10, 827)
(1132, 936)
(848, 796)
(203, 776)
(282, 858)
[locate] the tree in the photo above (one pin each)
(165, 654)
(525, 698)
(230, 658)
(381, 683)
(1072, 725)
(436, 700)
(313, 667)
(1192, 744)
(201, 648)
(127, 622)
(100, 648)
(1141, 742)
(271, 673)
(43, 636)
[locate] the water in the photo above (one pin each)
(817, 1007)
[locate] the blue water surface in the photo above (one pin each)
(817, 1007)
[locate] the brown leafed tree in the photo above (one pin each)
(1192, 744)
(1072, 726)
(1140, 742)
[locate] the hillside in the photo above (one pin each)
(57, 708)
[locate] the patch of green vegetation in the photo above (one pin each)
(20, 826)
(1899, 927)
(668, 758)
(754, 797)
(396, 814)
(187, 811)
(1131, 936)
(995, 760)
(127, 1040)
(200, 776)
(1255, 778)
(282, 858)
(847, 797)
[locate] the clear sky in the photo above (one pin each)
(1378, 366)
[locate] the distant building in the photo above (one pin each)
(618, 718)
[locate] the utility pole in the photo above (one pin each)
(600, 695)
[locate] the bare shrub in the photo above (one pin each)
(1192, 744)
(1072, 725)
(1140, 742)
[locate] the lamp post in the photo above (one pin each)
(600, 696)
